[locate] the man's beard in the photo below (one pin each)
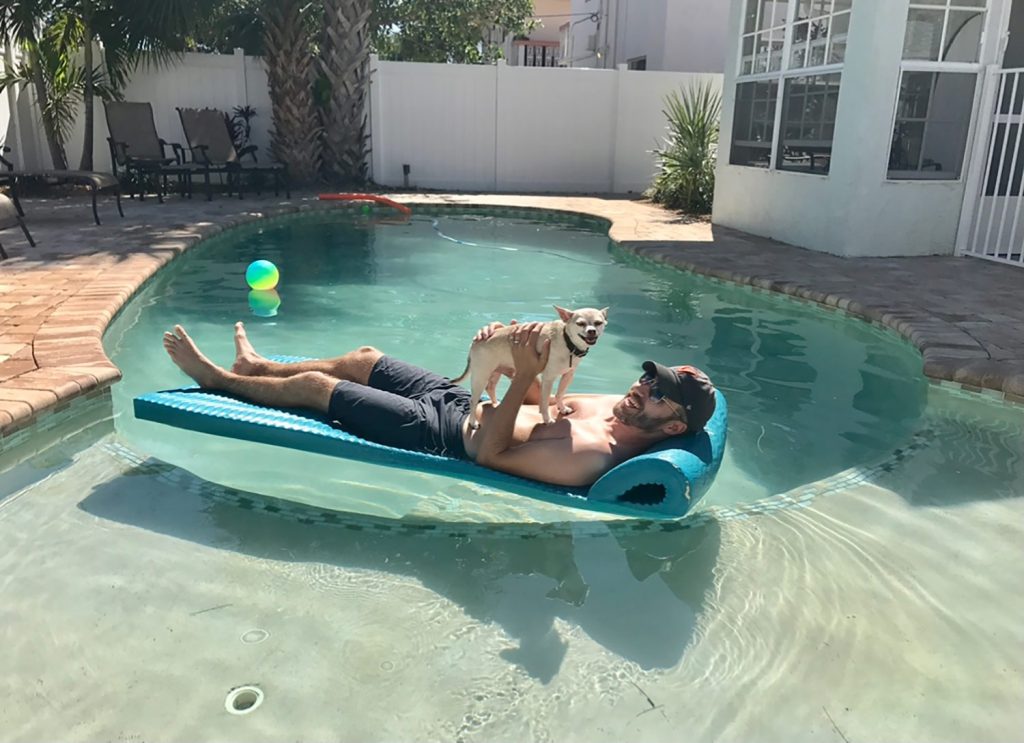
(637, 418)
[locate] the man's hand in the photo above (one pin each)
(488, 330)
(528, 360)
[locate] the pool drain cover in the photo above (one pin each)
(243, 700)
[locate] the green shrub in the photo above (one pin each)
(686, 165)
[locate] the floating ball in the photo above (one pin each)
(264, 303)
(262, 275)
(366, 208)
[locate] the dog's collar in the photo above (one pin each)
(572, 347)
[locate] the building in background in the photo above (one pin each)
(542, 47)
(672, 35)
(867, 128)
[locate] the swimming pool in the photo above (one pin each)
(854, 568)
(811, 393)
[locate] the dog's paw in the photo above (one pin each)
(565, 409)
(474, 425)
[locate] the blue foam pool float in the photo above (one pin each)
(662, 483)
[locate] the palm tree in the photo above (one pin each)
(344, 62)
(131, 32)
(21, 24)
(295, 139)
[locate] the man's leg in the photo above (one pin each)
(354, 366)
(310, 389)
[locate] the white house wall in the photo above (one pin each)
(693, 35)
(853, 211)
(673, 35)
(640, 32)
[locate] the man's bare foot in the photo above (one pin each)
(184, 352)
(247, 361)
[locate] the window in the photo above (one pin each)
(944, 30)
(640, 63)
(938, 81)
(808, 122)
(753, 124)
(932, 118)
(796, 48)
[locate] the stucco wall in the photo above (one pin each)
(674, 35)
(695, 35)
(853, 211)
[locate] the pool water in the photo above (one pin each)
(853, 575)
(810, 393)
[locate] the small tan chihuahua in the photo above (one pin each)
(571, 338)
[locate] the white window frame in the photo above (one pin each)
(924, 65)
(784, 73)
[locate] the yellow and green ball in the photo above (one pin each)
(262, 275)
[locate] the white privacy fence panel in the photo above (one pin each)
(992, 223)
(220, 81)
(555, 129)
(472, 127)
(438, 119)
(508, 128)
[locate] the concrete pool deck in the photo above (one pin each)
(966, 316)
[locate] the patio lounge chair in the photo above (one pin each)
(210, 144)
(137, 150)
(96, 182)
(9, 217)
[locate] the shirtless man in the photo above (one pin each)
(382, 399)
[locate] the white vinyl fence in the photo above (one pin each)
(524, 129)
(461, 127)
(220, 81)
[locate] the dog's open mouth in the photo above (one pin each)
(589, 341)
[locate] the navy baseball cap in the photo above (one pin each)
(688, 387)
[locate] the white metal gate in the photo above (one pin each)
(991, 224)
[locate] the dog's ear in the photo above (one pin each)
(563, 313)
(604, 313)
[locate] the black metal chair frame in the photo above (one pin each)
(158, 170)
(24, 228)
(86, 178)
(233, 169)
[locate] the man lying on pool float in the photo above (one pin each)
(382, 399)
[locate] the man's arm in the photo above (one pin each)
(497, 436)
(533, 393)
(550, 460)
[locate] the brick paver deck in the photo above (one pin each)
(966, 316)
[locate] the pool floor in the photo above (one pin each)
(136, 597)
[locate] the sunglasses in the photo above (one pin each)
(650, 381)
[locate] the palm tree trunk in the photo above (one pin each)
(87, 94)
(345, 56)
(60, 160)
(295, 138)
